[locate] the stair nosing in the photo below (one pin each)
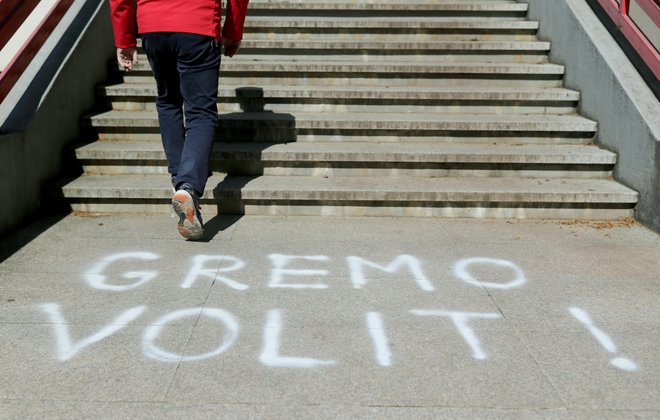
(264, 188)
(365, 152)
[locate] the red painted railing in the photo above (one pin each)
(12, 16)
(619, 13)
(14, 13)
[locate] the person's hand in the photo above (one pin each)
(231, 47)
(127, 57)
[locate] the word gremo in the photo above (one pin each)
(215, 267)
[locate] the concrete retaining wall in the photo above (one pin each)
(613, 93)
(41, 115)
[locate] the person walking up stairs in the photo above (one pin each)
(414, 108)
(182, 40)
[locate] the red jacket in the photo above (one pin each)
(189, 16)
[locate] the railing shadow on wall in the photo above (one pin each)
(638, 22)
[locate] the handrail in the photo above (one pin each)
(12, 14)
(22, 59)
(619, 12)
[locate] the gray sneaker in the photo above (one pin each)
(186, 205)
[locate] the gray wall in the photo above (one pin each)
(613, 93)
(41, 115)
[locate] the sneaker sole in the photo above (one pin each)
(188, 225)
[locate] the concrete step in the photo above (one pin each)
(274, 127)
(141, 96)
(376, 57)
(423, 51)
(400, 8)
(392, 5)
(244, 70)
(376, 196)
(259, 24)
(313, 136)
(464, 61)
(387, 42)
(329, 47)
(360, 159)
(390, 28)
(254, 63)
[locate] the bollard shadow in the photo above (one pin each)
(242, 138)
(256, 124)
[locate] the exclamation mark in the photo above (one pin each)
(622, 363)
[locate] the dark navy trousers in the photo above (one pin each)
(186, 68)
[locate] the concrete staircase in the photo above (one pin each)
(352, 107)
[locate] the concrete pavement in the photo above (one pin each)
(308, 317)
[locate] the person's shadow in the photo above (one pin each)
(243, 136)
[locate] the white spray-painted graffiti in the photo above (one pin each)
(97, 280)
(622, 363)
(376, 328)
(152, 332)
(198, 270)
(279, 271)
(359, 279)
(284, 269)
(462, 272)
(460, 320)
(66, 349)
(270, 356)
